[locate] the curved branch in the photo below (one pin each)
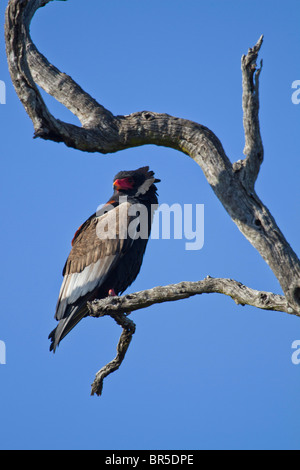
(241, 294)
(102, 132)
(119, 307)
(124, 342)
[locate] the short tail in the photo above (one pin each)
(66, 325)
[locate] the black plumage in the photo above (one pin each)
(107, 251)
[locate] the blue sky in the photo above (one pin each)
(202, 373)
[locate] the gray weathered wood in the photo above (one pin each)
(120, 307)
(241, 294)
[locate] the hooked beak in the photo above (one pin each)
(123, 184)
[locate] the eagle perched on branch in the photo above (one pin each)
(107, 250)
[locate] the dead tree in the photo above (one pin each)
(102, 132)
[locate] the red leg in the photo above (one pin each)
(112, 293)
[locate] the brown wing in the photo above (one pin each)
(96, 249)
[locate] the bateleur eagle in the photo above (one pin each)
(107, 250)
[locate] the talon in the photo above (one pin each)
(112, 293)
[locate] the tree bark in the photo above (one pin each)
(102, 132)
(241, 294)
(119, 307)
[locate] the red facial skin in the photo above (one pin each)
(124, 183)
(119, 184)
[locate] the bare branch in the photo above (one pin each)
(124, 342)
(241, 294)
(103, 132)
(119, 307)
(63, 88)
(28, 66)
(253, 143)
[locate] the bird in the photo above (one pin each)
(107, 249)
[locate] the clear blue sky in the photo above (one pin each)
(202, 373)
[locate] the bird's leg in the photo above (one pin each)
(111, 293)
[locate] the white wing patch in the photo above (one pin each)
(77, 285)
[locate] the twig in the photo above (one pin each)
(253, 150)
(118, 307)
(124, 342)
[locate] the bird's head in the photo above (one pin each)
(136, 183)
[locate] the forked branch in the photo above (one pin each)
(123, 344)
(119, 307)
